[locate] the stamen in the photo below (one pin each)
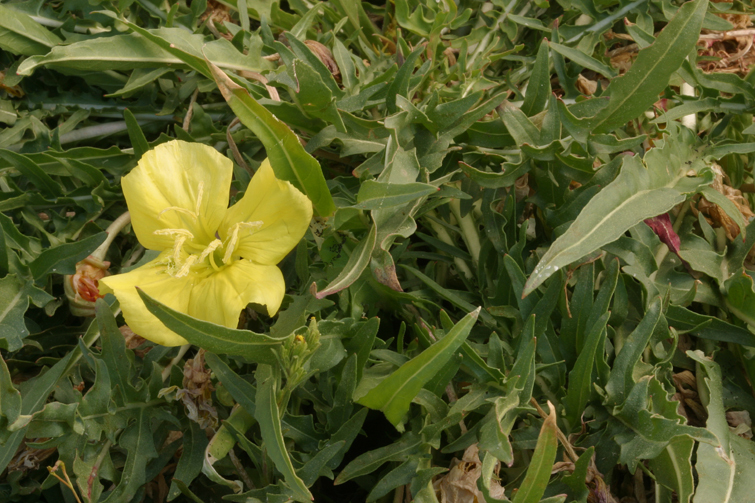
(174, 232)
(186, 266)
(210, 248)
(180, 235)
(233, 240)
(177, 246)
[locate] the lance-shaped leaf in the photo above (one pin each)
(258, 348)
(635, 91)
(580, 378)
(268, 416)
(20, 34)
(539, 471)
(287, 156)
(145, 49)
(644, 188)
(357, 263)
(375, 195)
(395, 393)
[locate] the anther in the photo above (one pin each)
(210, 248)
(190, 260)
(233, 240)
(180, 235)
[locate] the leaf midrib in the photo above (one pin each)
(647, 75)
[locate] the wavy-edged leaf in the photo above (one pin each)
(723, 470)
(644, 189)
(673, 467)
(34, 395)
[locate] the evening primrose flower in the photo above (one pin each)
(214, 259)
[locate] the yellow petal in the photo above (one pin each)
(220, 297)
(155, 281)
(178, 185)
(283, 210)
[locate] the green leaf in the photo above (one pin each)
(399, 476)
(538, 474)
(46, 185)
(707, 327)
(584, 60)
(395, 393)
(372, 460)
(20, 34)
(357, 263)
(723, 469)
(62, 259)
(192, 457)
(119, 361)
(400, 84)
(288, 158)
(580, 378)
(15, 294)
(137, 441)
(10, 400)
(240, 389)
(34, 395)
(136, 135)
(651, 421)
(492, 180)
(621, 381)
(145, 49)
(258, 348)
(644, 189)
(374, 195)
(539, 85)
(740, 297)
(632, 93)
(268, 416)
(673, 467)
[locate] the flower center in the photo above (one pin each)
(188, 253)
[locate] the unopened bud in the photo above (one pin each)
(82, 288)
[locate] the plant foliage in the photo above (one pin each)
(531, 252)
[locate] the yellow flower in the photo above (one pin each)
(215, 260)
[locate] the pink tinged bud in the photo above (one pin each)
(82, 288)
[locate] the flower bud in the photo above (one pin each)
(82, 288)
